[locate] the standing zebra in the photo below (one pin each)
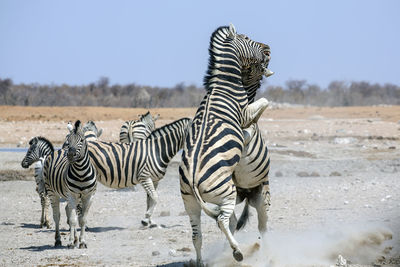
(39, 149)
(54, 177)
(80, 182)
(121, 165)
(214, 144)
(138, 129)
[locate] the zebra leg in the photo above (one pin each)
(55, 204)
(71, 215)
(152, 198)
(193, 209)
(42, 203)
(254, 111)
(45, 201)
(86, 203)
(227, 208)
(261, 201)
(233, 222)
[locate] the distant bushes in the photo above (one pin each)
(102, 93)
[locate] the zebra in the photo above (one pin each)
(214, 144)
(80, 182)
(121, 165)
(138, 129)
(251, 173)
(39, 149)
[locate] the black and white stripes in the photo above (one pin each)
(80, 181)
(214, 144)
(121, 165)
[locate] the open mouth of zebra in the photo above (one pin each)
(267, 57)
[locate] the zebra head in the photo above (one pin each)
(91, 131)
(76, 143)
(38, 147)
(250, 53)
(231, 54)
(149, 120)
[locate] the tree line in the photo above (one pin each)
(101, 93)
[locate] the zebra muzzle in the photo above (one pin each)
(268, 72)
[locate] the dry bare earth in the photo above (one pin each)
(334, 182)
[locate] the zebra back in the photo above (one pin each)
(138, 129)
(121, 165)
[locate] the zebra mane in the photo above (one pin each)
(42, 139)
(166, 128)
(223, 32)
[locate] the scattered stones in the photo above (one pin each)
(165, 213)
(182, 213)
(335, 173)
(302, 174)
(346, 202)
(392, 147)
(155, 253)
(278, 174)
(184, 249)
(344, 140)
(314, 174)
(172, 252)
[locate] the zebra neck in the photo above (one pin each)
(90, 136)
(251, 91)
(45, 149)
(82, 166)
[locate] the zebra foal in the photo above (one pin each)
(39, 149)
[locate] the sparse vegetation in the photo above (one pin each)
(101, 93)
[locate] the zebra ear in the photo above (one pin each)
(33, 141)
(77, 126)
(156, 117)
(99, 132)
(232, 31)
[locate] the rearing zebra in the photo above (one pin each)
(39, 149)
(214, 144)
(138, 129)
(251, 173)
(121, 165)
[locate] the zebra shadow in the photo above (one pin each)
(41, 229)
(30, 226)
(176, 264)
(104, 229)
(42, 248)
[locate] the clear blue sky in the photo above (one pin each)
(162, 43)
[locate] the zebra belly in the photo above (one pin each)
(252, 170)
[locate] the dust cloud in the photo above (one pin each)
(317, 247)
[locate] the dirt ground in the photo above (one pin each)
(335, 188)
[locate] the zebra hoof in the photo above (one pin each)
(145, 222)
(58, 243)
(71, 246)
(153, 225)
(82, 245)
(238, 255)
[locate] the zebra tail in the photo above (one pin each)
(213, 213)
(244, 217)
